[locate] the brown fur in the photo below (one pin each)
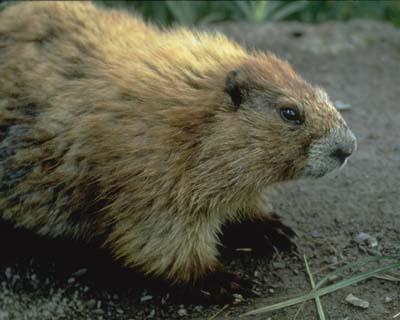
(114, 128)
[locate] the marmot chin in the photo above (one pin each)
(151, 140)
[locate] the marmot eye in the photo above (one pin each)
(291, 115)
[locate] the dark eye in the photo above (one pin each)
(291, 115)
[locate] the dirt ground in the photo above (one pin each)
(359, 64)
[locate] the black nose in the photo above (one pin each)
(341, 154)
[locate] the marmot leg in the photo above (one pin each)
(181, 251)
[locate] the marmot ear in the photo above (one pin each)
(236, 87)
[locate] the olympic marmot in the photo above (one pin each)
(151, 140)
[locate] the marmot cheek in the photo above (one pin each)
(330, 152)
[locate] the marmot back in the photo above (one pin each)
(147, 140)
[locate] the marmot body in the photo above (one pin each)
(151, 140)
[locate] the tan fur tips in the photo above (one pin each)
(149, 140)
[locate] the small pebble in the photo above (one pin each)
(71, 280)
(372, 242)
(91, 303)
(363, 237)
(151, 314)
(146, 298)
(388, 299)
(182, 312)
(279, 265)
(80, 272)
(8, 273)
(315, 234)
(331, 260)
(198, 308)
(357, 302)
(98, 311)
(237, 296)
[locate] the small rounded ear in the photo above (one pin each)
(236, 87)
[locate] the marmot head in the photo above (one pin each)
(290, 125)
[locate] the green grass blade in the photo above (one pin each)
(320, 310)
(277, 306)
(245, 9)
(363, 276)
(356, 264)
(288, 9)
(323, 291)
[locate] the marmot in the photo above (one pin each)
(150, 140)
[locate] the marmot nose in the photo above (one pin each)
(345, 148)
(341, 154)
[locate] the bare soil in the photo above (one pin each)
(358, 63)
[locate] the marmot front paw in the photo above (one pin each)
(219, 287)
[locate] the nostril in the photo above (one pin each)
(341, 155)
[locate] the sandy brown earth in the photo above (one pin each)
(359, 64)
